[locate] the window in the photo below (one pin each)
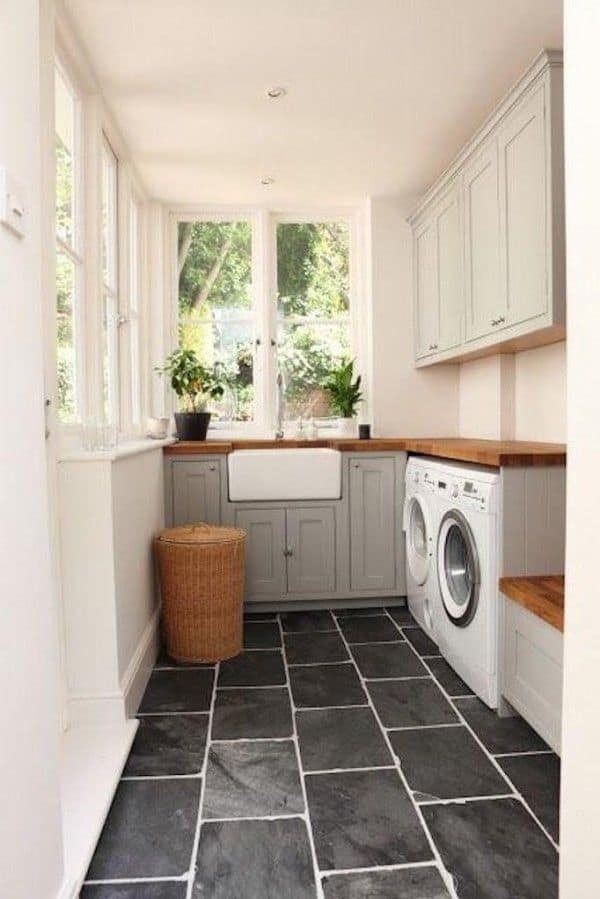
(110, 280)
(133, 316)
(298, 322)
(69, 261)
(216, 309)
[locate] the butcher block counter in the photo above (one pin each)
(495, 453)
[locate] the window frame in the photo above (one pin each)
(264, 291)
(110, 287)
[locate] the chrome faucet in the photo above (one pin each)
(280, 404)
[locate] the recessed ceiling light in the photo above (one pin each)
(276, 93)
(267, 181)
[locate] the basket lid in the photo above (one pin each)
(201, 533)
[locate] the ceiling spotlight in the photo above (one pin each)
(276, 93)
(267, 181)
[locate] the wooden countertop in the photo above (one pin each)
(544, 596)
(495, 453)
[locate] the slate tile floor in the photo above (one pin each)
(339, 757)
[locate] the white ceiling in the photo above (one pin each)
(381, 93)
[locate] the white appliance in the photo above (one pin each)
(467, 555)
(419, 527)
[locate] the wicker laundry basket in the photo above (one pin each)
(201, 570)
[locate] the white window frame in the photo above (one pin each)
(131, 320)
(73, 251)
(264, 283)
(110, 284)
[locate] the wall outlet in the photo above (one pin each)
(12, 203)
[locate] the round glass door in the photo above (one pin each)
(458, 569)
(418, 542)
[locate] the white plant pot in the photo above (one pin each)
(347, 427)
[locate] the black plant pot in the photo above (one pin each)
(192, 425)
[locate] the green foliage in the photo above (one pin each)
(215, 266)
(192, 382)
(313, 268)
(64, 190)
(344, 392)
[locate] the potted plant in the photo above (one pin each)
(345, 395)
(194, 384)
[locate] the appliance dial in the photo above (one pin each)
(454, 491)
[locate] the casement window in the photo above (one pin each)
(69, 249)
(110, 284)
(261, 294)
(132, 317)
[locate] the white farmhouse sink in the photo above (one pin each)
(271, 474)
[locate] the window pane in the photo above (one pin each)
(109, 372)
(65, 331)
(215, 267)
(307, 353)
(134, 324)
(228, 346)
(64, 117)
(109, 217)
(313, 274)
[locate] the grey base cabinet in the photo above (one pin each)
(352, 547)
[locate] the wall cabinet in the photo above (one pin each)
(488, 239)
(196, 492)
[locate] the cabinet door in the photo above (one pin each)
(372, 524)
(265, 551)
(311, 550)
(426, 288)
(196, 492)
(485, 305)
(524, 209)
(449, 270)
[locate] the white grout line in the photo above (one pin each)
(378, 680)
(443, 871)
(424, 726)
(351, 770)
(134, 777)
(352, 643)
(116, 881)
(333, 872)
(318, 664)
(463, 799)
(306, 816)
(233, 819)
(178, 714)
(195, 844)
(510, 755)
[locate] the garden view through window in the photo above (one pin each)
(220, 314)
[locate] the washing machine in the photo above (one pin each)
(419, 528)
(467, 555)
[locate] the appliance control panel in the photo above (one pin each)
(468, 494)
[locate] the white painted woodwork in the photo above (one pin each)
(311, 544)
(372, 524)
(196, 492)
(504, 275)
(532, 670)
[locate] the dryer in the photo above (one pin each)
(467, 554)
(419, 529)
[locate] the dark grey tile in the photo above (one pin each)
(407, 883)
(252, 779)
(304, 649)
(149, 831)
(163, 890)
(253, 669)
(254, 860)
(401, 615)
(164, 660)
(537, 778)
(261, 635)
(446, 763)
(387, 660)
(248, 713)
(448, 678)
(499, 734)
(410, 703)
(340, 738)
(326, 685)
(356, 612)
(178, 691)
(494, 850)
(314, 620)
(363, 819)
(421, 642)
(168, 744)
(260, 616)
(372, 629)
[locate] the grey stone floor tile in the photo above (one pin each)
(314, 620)
(253, 669)
(161, 890)
(168, 744)
(178, 691)
(320, 686)
(401, 616)
(410, 703)
(421, 642)
(248, 713)
(261, 635)
(499, 734)
(537, 779)
(371, 629)
(387, 660)
(307, 648)
(448, 678)
(359, 612)
(406, 883)
(340, 738)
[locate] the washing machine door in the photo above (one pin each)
(419, 538)
(458, 568)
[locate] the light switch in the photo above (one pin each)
(12, 203)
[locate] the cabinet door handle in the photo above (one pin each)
(501, 320)
(494, 322)
(356, 464)
(288, 551)
(212, 467)
(433, 346)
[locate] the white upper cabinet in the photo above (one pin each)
(489, 235)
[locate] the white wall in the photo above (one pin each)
(405, 401)
(30, 822)
(519, 396)
(580, 800)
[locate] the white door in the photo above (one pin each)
(426, 288)
(449, 270)
(524, 218)
(485, 308)
(419, 539)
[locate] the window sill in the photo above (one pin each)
(121, 451)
